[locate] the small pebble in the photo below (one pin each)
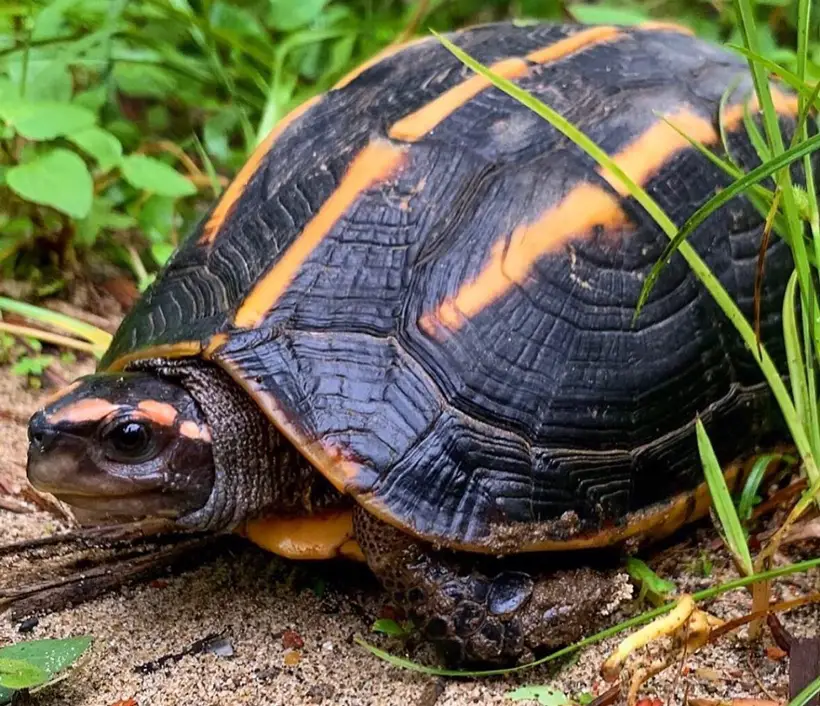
(292, 658)
(221, 647)
(28, 625)
(775, 654)
(292, 640)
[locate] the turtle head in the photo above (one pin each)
(126, 445)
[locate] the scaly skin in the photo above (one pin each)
(477, 617)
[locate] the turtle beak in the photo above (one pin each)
(52, 458)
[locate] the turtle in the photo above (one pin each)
(406, 334)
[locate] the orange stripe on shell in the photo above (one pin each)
(585, 206)
(416, 125)
(386, 53)
(374, 164)
(660, 26)
(232, 194)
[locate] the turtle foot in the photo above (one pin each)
(475, 614)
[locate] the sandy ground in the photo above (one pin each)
(252, 599)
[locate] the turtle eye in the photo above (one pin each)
(128, 441)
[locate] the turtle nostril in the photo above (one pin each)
(40, 433)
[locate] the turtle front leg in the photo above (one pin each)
(477, 616)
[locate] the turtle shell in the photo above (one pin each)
(430, 291)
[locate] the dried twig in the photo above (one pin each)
(12, 505)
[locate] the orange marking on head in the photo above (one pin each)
(373, 164)
(416, 125)
(59, 394)
(160, 413)
(237, 186)
(386, 53)
(87, 410)
(193, 431)
(665, 27)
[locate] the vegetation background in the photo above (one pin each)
(122, 120)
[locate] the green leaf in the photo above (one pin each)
(45, 120)
(544, 695)
(49, 20)
(93, 98)
(156, 218)
(236, 20)
(9, 90)
(50, 656)
(17, 674)
(390, 627)
(217, 131)
(53, 83)
(287, 15)
(161, 252)
(606, 14)
(722, 501)
(157, 177)
(102, 216)
(58, 178)
(99, 144)
(144, 80)
(31, 365)
(657, 587)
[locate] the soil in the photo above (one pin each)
(287, 630)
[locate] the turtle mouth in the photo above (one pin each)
(136, 506)
(101, 495)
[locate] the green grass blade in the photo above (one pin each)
(791, 79)
(751, 487)
(807, 694)
(724, 136)
(811, 331)
(87, 332)
(698, 266)
(794, 354)
(643, 618)
(721, 199)
(755, 190)
(755, 136)
(771, 125)
(722, 501)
